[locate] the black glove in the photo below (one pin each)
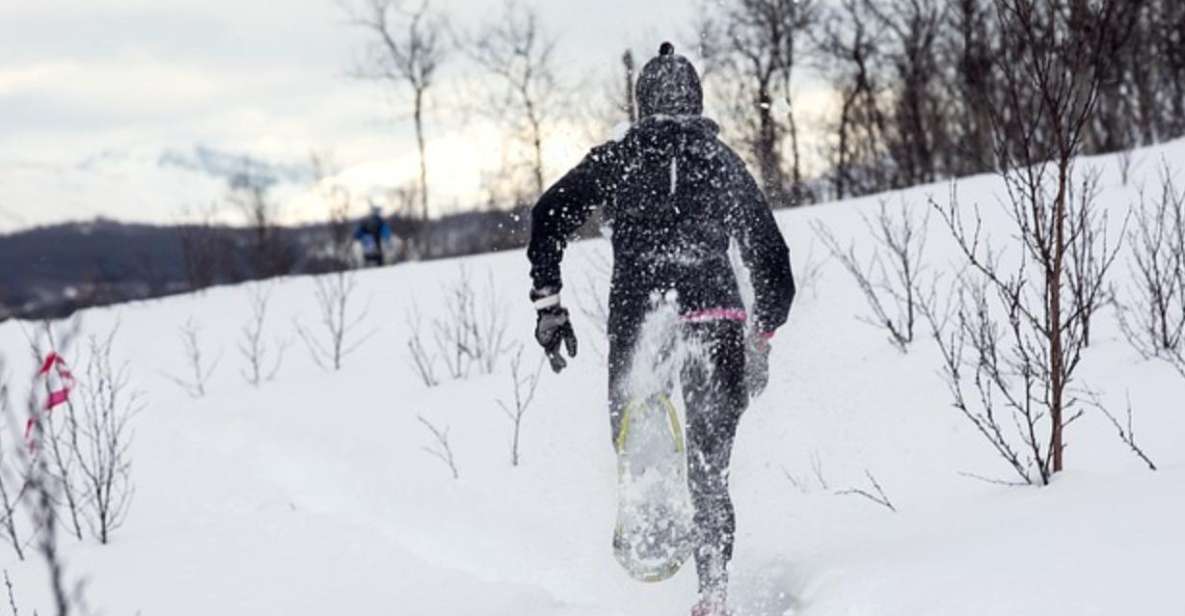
(756, 364)
(553, 328)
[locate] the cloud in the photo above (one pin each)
(266, 78)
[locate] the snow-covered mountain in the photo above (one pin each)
(143, 185)
(313, 494)
(166, 185)
(227, 166)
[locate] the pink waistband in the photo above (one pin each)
(716, 314)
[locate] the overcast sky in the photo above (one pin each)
(83, 76)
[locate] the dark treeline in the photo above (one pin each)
(921, 85)
(106, 262)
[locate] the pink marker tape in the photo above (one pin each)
(53, 368)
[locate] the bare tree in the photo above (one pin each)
(752, 45)
(892, 274)
(423, 360)
(269, 254)
(203, 254)
(337, 199)
(524, 394)
(517, 50)
(200, 369)
(440, 448)
(263, 359)
(613, 106)
(103, 446)
(406, 48)
(45, 518)
(471, 331)
(1153, 315)
(1001, 339)
(917, 139)
(40, 487)
(968, 45)
(61, 433)
(850, 49)
(1090, 255)
(10, 493)
(1023, 351)
(339, 337)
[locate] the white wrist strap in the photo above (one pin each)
(547, 302)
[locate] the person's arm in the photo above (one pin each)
(763, 251)
(560, 212)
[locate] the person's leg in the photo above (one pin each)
(643, 340)
(714, 393)
(623, 333)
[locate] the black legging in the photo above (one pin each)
(714, 393)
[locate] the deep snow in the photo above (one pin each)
(313, 495)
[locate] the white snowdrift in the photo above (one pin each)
(312, 494)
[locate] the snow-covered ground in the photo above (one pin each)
(313, 494)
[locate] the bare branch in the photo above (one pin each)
(1126, 431)
(471, 331)
(1152, 316)
(338, 338)
(200, 370)
(879, 498)
(9, 499)
(524, 394)
(11, 594)
(263, 360)
(892, 273)
(421, 359)
(440, 449)
(103, 446)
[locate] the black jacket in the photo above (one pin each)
(673, 196)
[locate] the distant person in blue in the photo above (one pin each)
(374, 234)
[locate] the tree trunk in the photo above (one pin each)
(841, 165)
(419, 121)
(631, 106)
(792, 128)
(537, 145)
(768, 158)
(1054, 288)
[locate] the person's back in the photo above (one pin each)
(680, 198)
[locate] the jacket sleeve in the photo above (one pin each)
(562, 210)
(764, 252)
